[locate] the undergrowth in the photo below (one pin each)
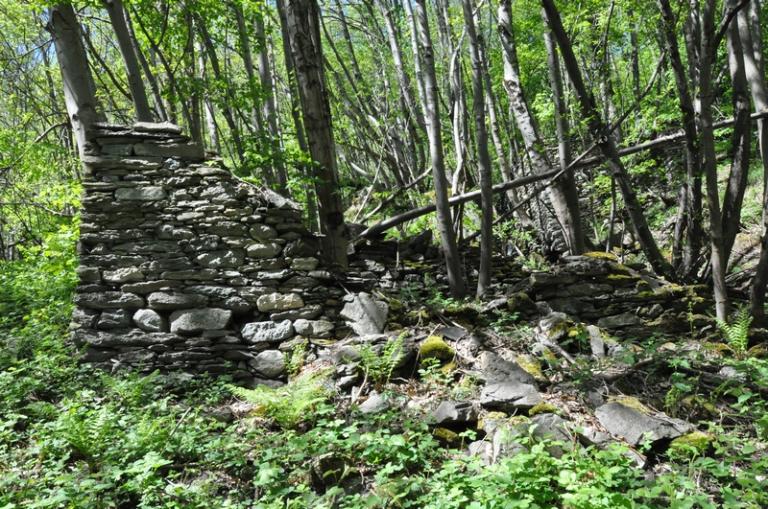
(71, 437)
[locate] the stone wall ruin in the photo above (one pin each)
(185, 267)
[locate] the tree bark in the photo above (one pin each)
(483, 157)
(741, 138)
(270, 108)
(606, 144)
(568, 187)
(691, 208)
(432, 118)
(132, 70)
(751, 43)
(303, 29)
(79, 88)
(704, 100)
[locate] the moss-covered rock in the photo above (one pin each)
(695, 443)
(532, 366)
(543, 408)
(600, 255)
(521, 302)
(632, 402)
(446, 436)
(435, 347)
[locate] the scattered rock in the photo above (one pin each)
(494, 368)
(434, 347)
(619, 321)
(376, 403)
(455, 412)
(509, 396)
(365, 315)
(633, 423)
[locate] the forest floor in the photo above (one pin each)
(74, 437)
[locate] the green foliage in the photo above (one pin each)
(378, 367)
(737, 332)
(291, 404)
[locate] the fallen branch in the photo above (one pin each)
(579, 163)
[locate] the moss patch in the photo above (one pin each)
(435, 347)
(446, 436)
(631, 402)
(543, 408)
(696, 443)
(531, 365)
(600, 255)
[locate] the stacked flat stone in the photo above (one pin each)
(185, 267)
(595, 288)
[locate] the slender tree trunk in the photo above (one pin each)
(133, 72)
(751, 43)
(195, 97)
(564, 199)
(303, 27)
(606, 144)
(568, 189)
(150, 76)
(301, 138)
(483, 157)
(226, 109)
(270, 109)
(247, 56)
(691, 208)
(432, 117)
(79, 88)
(709, 163)
(741, 139)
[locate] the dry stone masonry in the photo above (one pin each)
(185, 267)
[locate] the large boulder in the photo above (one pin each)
(633, 422)
(365, 315)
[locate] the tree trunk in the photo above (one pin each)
(568, 186)
(691, 208)
(303, 28)
(432, 118)
(741, 139)
(132, 70)
(270, 109)
(750, 35)
(709, 163)
(483, 157)
(562, 194)
(151, 78)
(606, 144)
(79, 88)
